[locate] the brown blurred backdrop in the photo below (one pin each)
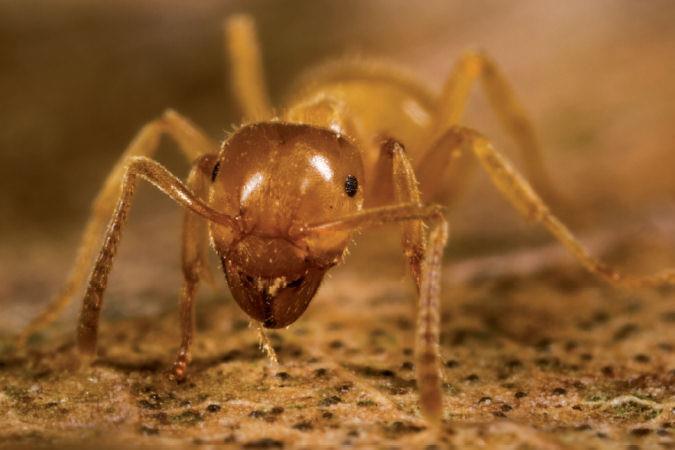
(78, 78)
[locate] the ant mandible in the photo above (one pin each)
(282, 197)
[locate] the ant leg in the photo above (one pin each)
(427, 357)
(427, 351)
(248, 82)
(406, 190)
(523, 198)
(156, 174)
(194, 260)
(511, 114)
(192, 142)
(427, 354)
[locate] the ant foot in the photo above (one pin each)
(179, 371)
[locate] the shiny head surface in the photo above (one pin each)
(274, 177)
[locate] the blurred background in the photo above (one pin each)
(79, 78)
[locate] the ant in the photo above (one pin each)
(281, 198)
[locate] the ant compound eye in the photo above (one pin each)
(351, 185)
(215, 171)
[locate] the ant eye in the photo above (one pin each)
(351, 185)
(215, 171)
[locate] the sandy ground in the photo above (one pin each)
(544, 358)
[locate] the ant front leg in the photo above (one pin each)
(156, 174)
(471, 67)
(194, 259)
(523, 198)
(191, 141)
(423, 263)
(406, 190)
(427, 357)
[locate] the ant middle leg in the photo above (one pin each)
(471, 67)
(523, 198)
(192, 143)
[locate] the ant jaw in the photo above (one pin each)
(276, 302)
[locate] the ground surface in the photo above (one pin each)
(543, 359)
(537, 354)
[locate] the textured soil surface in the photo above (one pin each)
(544, 358)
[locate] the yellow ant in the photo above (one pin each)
(281, 198)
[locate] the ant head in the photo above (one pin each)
(275, 177)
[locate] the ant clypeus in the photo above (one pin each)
(281, 198)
